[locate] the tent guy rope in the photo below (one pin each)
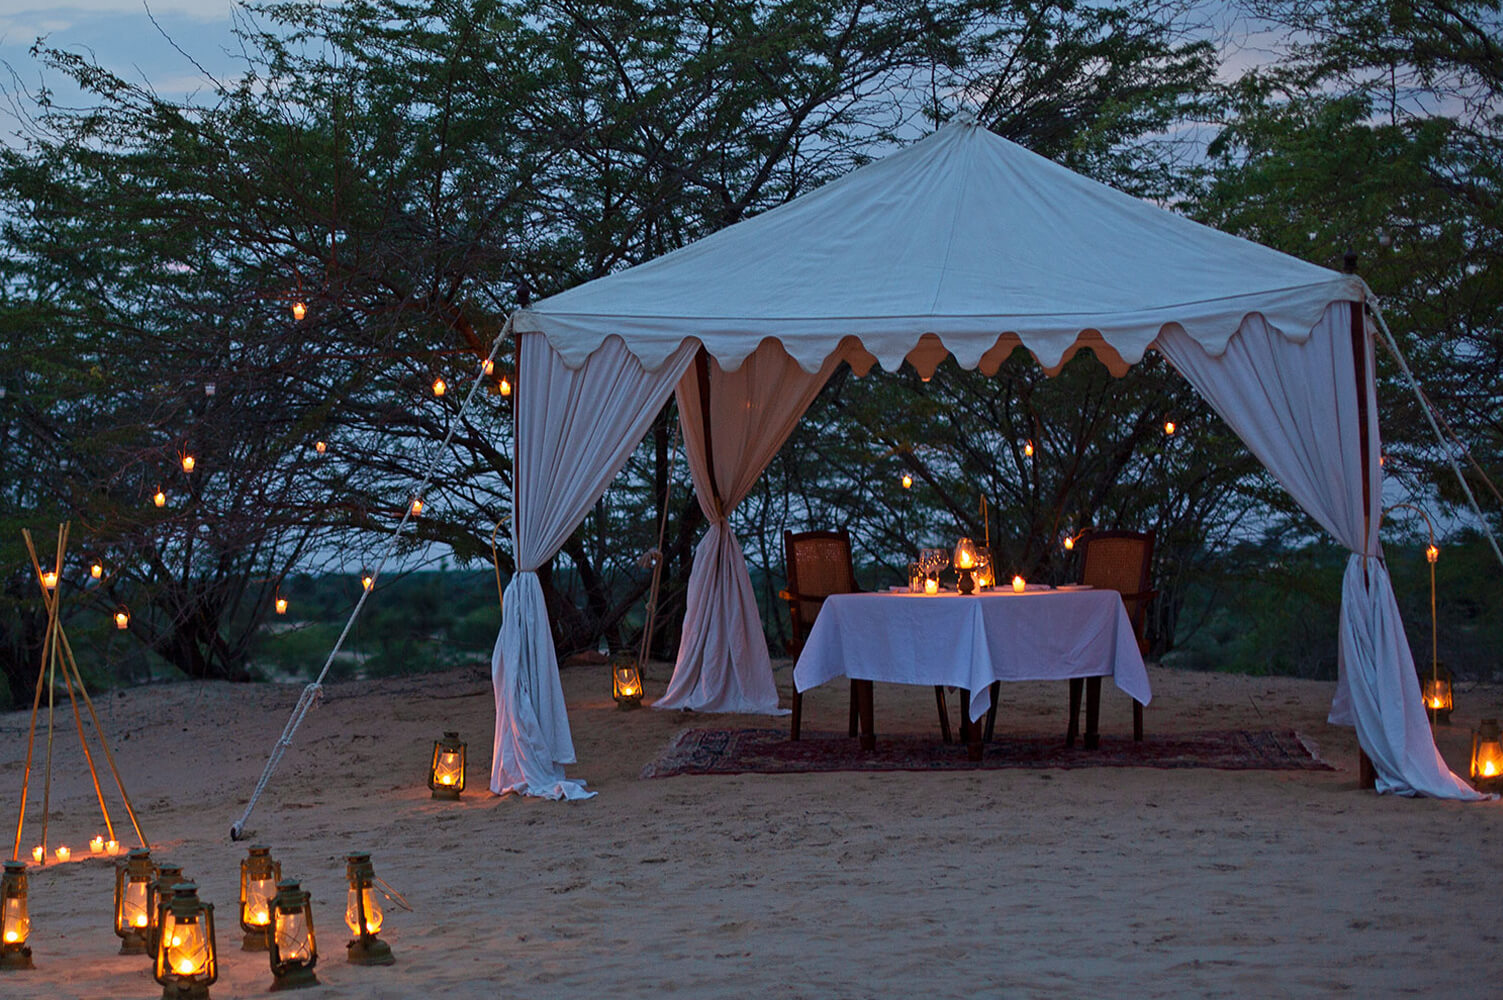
(312, 691)
(1448, 446)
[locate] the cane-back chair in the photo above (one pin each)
(819, 564)
(1120, 561)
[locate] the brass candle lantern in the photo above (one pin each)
(294, 952)
(362, 912)
(133, 878)
(259, 875)
(15, 918)
(187, 962)
(1487, 757)
(984, 573)
(446, 772)
(626, 682)
(965, 561)
(168, 875)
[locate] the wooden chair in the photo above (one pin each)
(1120, 561)
(819, 564)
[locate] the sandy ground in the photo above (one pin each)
(1058, 884)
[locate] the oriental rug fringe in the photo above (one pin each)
(769, 751)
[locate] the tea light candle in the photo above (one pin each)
(112, 847)
(38, 853)
(931, 586)
(63, 854)
(96, 846)
(1019, 585)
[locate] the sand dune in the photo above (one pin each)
(1082, 883)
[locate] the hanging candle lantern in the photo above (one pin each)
(189, 462)
(299, 310)
(259, 875)
(49, 580)
(362, 913)
(1028, 449)
(505, 387)
(1169, 428)
(209, 388)
(367, 579)
(417, 506)
(321, 447)
(168, 875)
(1438, 693)
(187, 962)
(281, 605)
(159, 498)
(133, 877)
(294, 952)
(626, 682)
(440, 387)
(965, 560)
(490, 366)
(15, 918)
(122, 619)
(907, 481)
(1487, 757)
(96, 569)
(446, 772)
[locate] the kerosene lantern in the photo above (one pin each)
(259, 875)
(133, 878)
(446, 772)
(294, 952)
(15, 918)
(160, 894)
(187, 962)
(362, 912)
(965, 561)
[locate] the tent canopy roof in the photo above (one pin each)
(963, 235)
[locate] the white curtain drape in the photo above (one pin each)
(575, 429)
(1298, 407)
(722, 663)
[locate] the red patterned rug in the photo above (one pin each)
(769, 751)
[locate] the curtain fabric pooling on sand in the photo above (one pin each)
(575, 430)
(722, 663)
(1296, 406)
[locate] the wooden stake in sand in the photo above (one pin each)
(57, 657)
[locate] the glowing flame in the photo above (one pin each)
(188, 463)
(907, 481)
(299, 310)
(440, 387)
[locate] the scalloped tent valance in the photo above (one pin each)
(965, 236)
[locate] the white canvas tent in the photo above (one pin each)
(964, 244)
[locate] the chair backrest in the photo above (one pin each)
(1121, 561)
(819, 564)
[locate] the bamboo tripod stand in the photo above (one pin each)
(57, 658)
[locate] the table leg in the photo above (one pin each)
(864, 707)
(1092, 713)
(1073, 729)
(970, 730)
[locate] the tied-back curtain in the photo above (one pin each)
(722, 663)
(575, 429)
(1298, 408)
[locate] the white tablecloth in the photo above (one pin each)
(969, 642)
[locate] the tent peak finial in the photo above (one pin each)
(965, 116)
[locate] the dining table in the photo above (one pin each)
(971, 642)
